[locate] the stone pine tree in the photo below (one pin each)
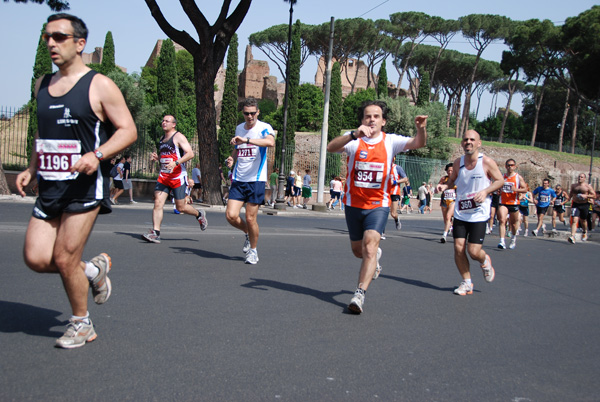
(42, 66)
(382, 80)
(108, 55)
(424, 90)
(335, 120)
(229, 107)
(293, 84)
(166, 71)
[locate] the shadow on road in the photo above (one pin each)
(207, 254)
(328, 297)
(415, 282)
(31, 320)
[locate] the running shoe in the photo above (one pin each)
(513, 243)
(463, 289)
(383, 236)
(357, 301)
(176, 212)
(151, 236)
(246, 246)
(488, 230)
(502, 245)
(378, 267)
(77, 334)
(584, 237)
(443, 239)
(488, 271)
(398, 225)
(544, 228)
(133, 202)
(112, 201)
(534, 232)
(525, 234)
(252, 257)
(508, 233)
(101, 287)
(571, 240)
(202, 219)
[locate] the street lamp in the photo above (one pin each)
(280, 204)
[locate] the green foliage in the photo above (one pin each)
(515, 127)
(42, 66)
(166, 72)
(108, 54)
(424, 90)
(186, 94)
(335, 124)
(266, 106)
(310, 107)
(401, 120)
(382, 80)
(149, 81)
(351, 105)
(229, 109)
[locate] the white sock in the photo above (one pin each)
(91, 271)
(467, 281)
(85, 319)
(445, 234)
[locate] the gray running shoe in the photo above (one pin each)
(202, 219)
(251, 257)
(398, 225)
(463, 289)
(151, 237)
(101, 287)
(378, 267)
(488, 271)
(246, 246)
(77, 334)
(357, 301)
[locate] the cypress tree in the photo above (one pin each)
(42, 66)
(166, 71)
(229, 107)
(108, 55)
(424, 90)
(382, 80)
(335, 120)
(294, 83)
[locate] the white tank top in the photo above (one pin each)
(469, 183)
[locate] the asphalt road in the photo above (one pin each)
(188, 320)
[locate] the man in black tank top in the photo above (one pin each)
(83, 122)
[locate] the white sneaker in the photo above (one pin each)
(534, 232)
(488, 230)
(513, 243)
(398, 225)
(251, 257)
(357, 302)
(378, 268)
(525, 234)
(502, 245)
(488, 271)
(464, 289)
(246, 246)
(383, 236)
(443, 239)
(544, 228)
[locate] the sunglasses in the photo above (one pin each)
(58, 37)
(512, 164)
(249, 113)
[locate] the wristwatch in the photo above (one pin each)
(99, 155)
(352, 135)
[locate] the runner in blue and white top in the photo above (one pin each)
(543, 196)
(249, 176)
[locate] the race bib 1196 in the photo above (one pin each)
(55, 158)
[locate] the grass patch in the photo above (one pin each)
(559, 156)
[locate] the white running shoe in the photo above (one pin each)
(501, 245)
(443, 239)
(463, 289)
(246, 246)
(488, 271)
(77, 334)
(398, 225)
(378, 267)
(251, 257)
(513, 243)
(357, 301)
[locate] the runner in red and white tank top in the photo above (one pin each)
(370, 152)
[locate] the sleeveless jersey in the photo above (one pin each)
(369, 165)
(67, 129)
(449, 194)
(560, 198)
(168, 152)
(251, 163)
(396, 174)
(469, 183)
(508, 196)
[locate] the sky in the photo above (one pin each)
(135, 32)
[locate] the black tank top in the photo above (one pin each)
(70, 117)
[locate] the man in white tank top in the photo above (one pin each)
(476, 176)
